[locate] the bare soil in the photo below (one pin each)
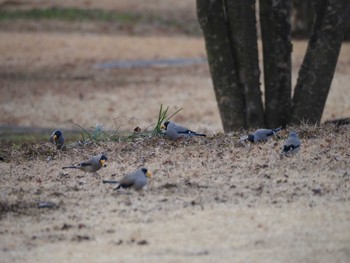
(209, 198)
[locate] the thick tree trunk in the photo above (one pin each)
(229, 95)
(317, 70)
(243, 34)
(276, 39)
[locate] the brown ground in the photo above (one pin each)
(42, 93)
(207, 199)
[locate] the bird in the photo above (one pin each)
(175, 131)
(57, 139)
(136, 180)
(291, 145)
(261, 135)
(94, 164)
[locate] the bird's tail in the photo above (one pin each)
(117, 187)
(70, 167)
(277, 130)
(200, 134)
(110, 182)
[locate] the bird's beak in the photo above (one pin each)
(148, 174)
(163, 127)
(102, 162)
(55, 137)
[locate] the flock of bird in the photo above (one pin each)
(138, 179)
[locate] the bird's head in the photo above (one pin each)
(146, 172)
(165, 125)
(57, 134)
(293, 134)
(103, 159)
(250, 137)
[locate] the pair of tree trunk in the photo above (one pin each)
(230, 33)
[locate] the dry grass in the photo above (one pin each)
(42, 94)
(207, 199)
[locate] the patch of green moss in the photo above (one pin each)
(68, 14)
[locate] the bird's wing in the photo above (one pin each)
(291, 144)
(92, 161)
(88, 162)
(83, 164)
(181, 129)
(128, 180)
(287, 148)
(266, 132)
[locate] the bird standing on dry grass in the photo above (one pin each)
(175, 131)
(57, 139)
(261, 135)
(136, 180)
(94, 164)
(291, 145)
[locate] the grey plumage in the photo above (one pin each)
(57, 139)
(136, 180)
(292, 144)
(175, 131)
(262, 135)
(94, 164)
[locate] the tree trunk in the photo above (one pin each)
(303, 16)
(243, 34)
(317, 70)
(276, 39)
(229, 95)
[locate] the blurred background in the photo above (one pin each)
(114, 62)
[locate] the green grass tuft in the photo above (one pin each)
(98, 15)
(68, 14)
(162, 117)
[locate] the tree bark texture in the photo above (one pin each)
(317, 70)
(243, 35)
(230, 97)
(276, 40)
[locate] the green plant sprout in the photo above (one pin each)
(162, 117)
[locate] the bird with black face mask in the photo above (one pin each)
(261, 135)
(291, 145)
(136, 180)
(57, 139)
(92, 165)
(174, 131)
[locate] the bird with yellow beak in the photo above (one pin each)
(57, 139)
(94, 164)
(136, 180)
